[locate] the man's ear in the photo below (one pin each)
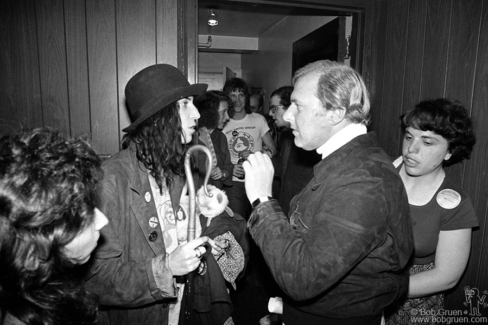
(336, 116)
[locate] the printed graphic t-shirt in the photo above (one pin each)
(245, 134)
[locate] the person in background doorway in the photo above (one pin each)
(340, 256)
(437, 133)
(256, 100)
(213, 107)
(293, 165)
(49, 224)
(256, 104)
(246, 132)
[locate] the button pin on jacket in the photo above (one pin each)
(153, 236)
(153, 222)
(147, 197)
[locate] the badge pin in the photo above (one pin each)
(153, 236)
(147, 197)
(153, 222)
(448, 199)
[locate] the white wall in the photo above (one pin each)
(210, 68)
(270, 67)
(223, 43)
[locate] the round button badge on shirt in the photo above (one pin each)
(448, 199)
(153, 236)
(147, 197)
(153, 222)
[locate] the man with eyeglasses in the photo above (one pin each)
(293, 165)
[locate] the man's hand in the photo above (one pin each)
(238, 171)
(216, 173)
(223, 245)
(246, 153)
(259, 176)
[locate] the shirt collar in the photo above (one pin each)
(341, 138)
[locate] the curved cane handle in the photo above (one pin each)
(191, 185)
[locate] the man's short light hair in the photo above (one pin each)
(339, 87)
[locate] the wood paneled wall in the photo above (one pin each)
(428, 49)
(65, 63)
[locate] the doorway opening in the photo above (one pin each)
(254, 40)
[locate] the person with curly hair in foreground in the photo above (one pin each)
(437, 133)
(48, 226)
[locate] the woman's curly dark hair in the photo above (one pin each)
(447, 118)
(158, 144)
(47, 197)
(208, 107)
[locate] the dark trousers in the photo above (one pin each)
(238, 201)
(251, 297)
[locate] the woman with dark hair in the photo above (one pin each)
(213, 107)
(48, 225)
(437, 133)
(140, 267)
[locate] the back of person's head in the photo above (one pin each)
(339, 87)
(284, 93)
(208, 107)
(447, 118)
(256, 93)
(47, 197)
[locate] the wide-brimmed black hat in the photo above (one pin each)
(155, 87)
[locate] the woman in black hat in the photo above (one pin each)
(140, 261)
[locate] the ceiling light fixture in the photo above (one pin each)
(212, 18)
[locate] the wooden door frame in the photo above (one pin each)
(188, 38)
(360, 10)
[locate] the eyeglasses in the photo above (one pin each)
(273, 108)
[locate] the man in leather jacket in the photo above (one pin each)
(341, 253)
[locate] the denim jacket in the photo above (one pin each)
(343, 250)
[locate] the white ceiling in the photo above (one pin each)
(247, 19)
(243, 22)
